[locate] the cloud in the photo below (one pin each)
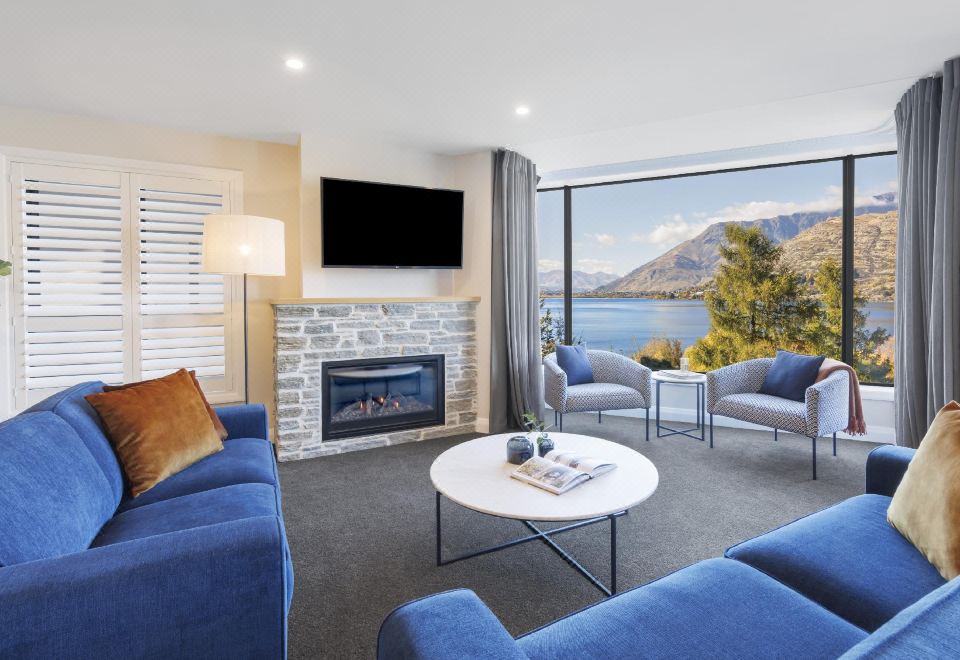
(672, 232)
(604, 239)
(595, 266)
(549, 264)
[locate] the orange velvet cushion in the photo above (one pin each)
(926, 506)
(217, 424)
(157, 428)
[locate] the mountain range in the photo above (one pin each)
(552, 280)
(807, 238)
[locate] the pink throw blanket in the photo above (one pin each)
(855, 422)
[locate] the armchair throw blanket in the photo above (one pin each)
(856, 425)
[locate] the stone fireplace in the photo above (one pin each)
(359, 373)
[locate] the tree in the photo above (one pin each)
(659, 353)
(755, 305)
(869, 361)
(551, 329)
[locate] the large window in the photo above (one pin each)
(726, 266)
(550, 271)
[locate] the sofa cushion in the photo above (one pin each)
(790, 375)
(575, 363)
(847, 558)
(926, 629)
(53, 496)
(72, 407)
(244, 460)
(714, 609)
(190, 511)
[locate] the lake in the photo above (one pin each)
(625, 324)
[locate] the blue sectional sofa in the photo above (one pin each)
(840, 582)
(196, 567)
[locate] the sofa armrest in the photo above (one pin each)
(828, 404)
(452, 624)
(554, 383)
(741, 378)
(246, 421)
(886, 466)
(209, 592)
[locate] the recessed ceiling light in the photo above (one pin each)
(294, 64)
(522, 110)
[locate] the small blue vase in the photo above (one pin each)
(545, 446)
(519, 449)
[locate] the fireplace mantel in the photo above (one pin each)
(373, 300)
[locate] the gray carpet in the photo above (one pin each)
(361, 528)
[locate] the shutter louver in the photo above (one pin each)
(69, 249)
(184, 313)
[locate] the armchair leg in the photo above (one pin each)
(599, 417)
(814, 444)
(647, 427)
(834, 444)
(561, 422)
(775, 435)
(554, 417)
(711, 430)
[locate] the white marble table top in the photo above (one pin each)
(476, 475)
(670, 378)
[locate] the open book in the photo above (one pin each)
(559, 471)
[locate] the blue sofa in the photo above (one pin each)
(840, 582)
(197, 567)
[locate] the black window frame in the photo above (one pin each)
(848, 272)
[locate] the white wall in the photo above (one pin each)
(357, 158)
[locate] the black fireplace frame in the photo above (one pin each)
(435, 417)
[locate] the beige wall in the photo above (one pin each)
(473, 173)
(271, 182)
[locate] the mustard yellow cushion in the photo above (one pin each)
(157, 428)
(926, 506)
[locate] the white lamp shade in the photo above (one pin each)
(243, 244)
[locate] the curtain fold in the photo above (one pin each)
(927, 371)
(516, 379)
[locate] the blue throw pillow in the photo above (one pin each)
(574, 362)
(791, 374)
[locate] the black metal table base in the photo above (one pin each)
(545, 536)
(701, 409)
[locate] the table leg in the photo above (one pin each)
(613, 554)
(439, 563)
(658, 408)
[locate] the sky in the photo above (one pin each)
(617, 228)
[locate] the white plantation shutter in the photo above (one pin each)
(107, 281)
(68, 263)
(186, 318)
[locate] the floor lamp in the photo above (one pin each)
(243, 245)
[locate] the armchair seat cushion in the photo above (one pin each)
(765, 410)
(714, 609)
(848, 558)
(602, 396)
(244, 460)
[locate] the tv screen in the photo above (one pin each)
(378, 225)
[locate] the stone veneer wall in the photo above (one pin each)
(306, 334)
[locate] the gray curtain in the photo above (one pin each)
(516, 379)
(927, 365)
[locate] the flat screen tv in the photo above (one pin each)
(379, 225)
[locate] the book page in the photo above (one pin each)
(585, 464)
(548, 473)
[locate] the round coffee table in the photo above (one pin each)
(475, 474)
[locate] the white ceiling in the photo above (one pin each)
(606, 81)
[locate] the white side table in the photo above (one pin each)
(700, 383)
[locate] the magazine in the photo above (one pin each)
(559, 471)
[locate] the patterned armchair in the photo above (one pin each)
(733, 392)
(619, 384)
